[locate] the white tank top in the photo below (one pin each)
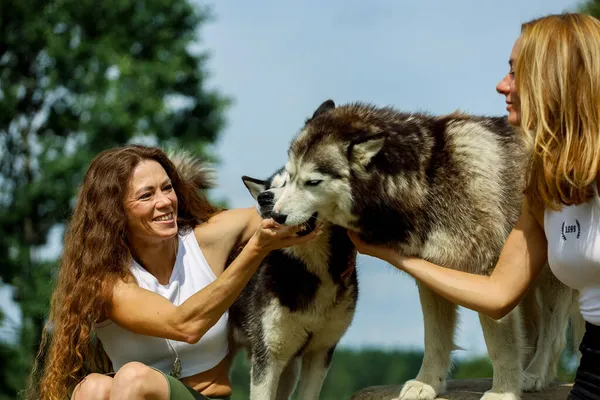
(573, 236)
(190, 274)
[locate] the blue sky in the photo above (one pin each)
(280, 60)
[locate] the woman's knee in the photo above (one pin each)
(137, 380)
(94, 387)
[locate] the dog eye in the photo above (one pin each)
(313, 182)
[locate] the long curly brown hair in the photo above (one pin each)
(95, 256)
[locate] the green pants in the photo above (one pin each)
(179, 391)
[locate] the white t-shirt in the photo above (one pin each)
(573, 236)
(191, 273)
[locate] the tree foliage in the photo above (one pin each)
(591, 7)
(77, 77)
(352, 370)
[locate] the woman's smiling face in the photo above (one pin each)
(150, 203)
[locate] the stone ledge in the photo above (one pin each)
(463, 389)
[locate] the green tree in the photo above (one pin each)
(77, 77)
(350, 371)
(591, 7)
(477, 367)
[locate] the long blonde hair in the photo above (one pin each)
(557, 78)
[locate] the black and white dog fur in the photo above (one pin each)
(297, 306)
(444, 188)
(299, 303)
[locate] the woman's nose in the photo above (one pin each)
(503, 87)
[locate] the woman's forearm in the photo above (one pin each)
(521, 260)
(201, 311)
(145, 312)
(480, 293)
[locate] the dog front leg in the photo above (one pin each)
(505, 343)
(532, 324)
(288, 380)
(315, 365)
(264, 376)
(439, 316)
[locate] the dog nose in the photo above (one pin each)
(279, 218)
(264, 198)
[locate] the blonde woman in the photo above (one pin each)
(553, 93)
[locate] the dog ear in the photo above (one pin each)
(255, 186)
(323, 108)
(362, 151)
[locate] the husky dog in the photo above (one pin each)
(297, 306)
(444, 188)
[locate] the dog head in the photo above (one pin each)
(267, 192)
(340, 164)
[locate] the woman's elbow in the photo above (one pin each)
(500, 310)
(189, 332)
(190, 335)
(192, 338)
(497, 314)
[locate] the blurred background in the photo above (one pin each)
(231, 81)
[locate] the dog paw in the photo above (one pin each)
(499, 396)
(415, 390)
(533, 382)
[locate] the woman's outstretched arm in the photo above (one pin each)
(521, 260)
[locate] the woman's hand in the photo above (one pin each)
(271, 236)
(382, 252)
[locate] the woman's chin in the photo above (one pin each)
(514, 119)
(167, 233)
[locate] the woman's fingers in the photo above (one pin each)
(296, 240)
(283, 230)
(272, 235)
